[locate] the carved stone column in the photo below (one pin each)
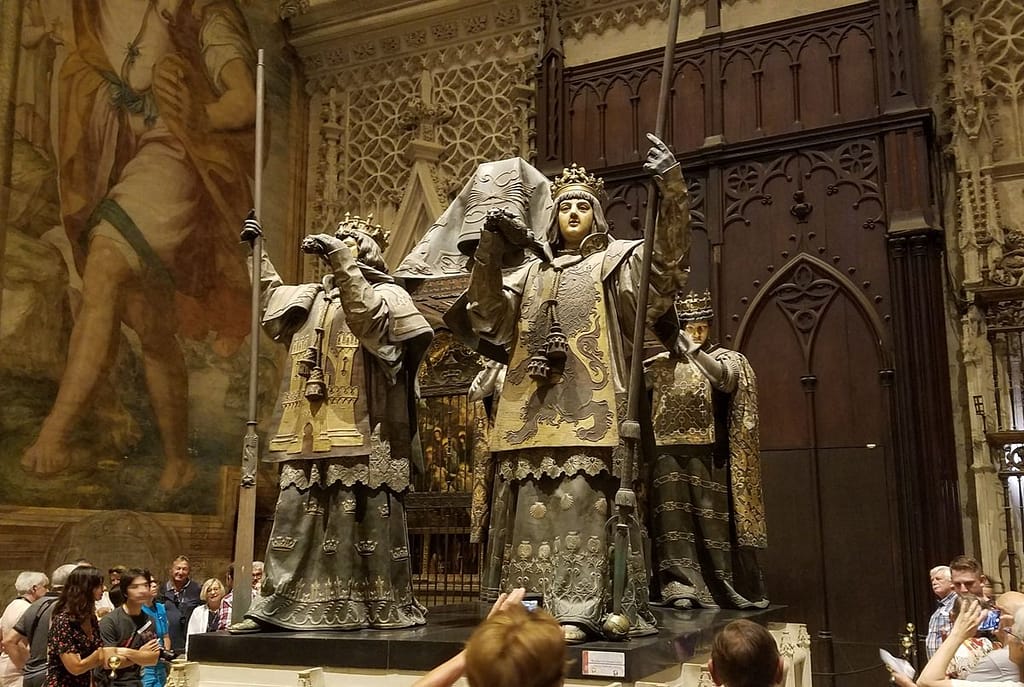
(983, 108)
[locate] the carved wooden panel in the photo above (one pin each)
(626, 206)
(818, 71)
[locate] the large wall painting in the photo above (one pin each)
(125, 313)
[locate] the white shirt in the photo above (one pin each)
(198, 622)
(10, 676)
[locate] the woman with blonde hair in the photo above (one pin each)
(513, 647)
(206, 618)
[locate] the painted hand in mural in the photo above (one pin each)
(173, 94)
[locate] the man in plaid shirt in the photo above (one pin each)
(225, 604)
(939, 624)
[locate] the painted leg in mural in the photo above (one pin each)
(167, 380)
(91, 353)
(107, 298)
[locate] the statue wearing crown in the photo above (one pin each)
(565, 318)
(707, 511)
(344, 436)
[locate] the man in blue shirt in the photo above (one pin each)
(180, 597)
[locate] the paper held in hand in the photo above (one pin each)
(896, 665)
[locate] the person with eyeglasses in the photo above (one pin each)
(997, 665)
(966, 624)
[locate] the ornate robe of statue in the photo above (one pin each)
(338, 556)
(707, 510)
(555, 440)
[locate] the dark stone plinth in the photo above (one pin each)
(682, 634)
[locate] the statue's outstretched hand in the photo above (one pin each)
(251, 229)
(659, 158)
(323, 245)
(686, 344)
(492, 238)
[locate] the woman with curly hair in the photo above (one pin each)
(74, 647)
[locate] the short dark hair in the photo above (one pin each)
(744, 654)
(967, 564)
(119, 569)
(129, 576)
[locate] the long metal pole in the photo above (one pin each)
(245, 531)
(625, 498)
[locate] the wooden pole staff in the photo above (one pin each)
(625, 498)
(245, 530)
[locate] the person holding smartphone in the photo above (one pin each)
(979, 643)
(964, 627)
(518, 645)
(997, 666)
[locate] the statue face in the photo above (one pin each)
(698, 331)
(575, 220)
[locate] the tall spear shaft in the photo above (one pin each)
(625, 498)
(245, 531)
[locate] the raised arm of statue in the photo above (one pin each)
(366, 310)
(493, 306)
(270, 280)
(670, 259)
(671, 255)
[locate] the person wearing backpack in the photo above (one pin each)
(26, 641)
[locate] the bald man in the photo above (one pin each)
(996, 665)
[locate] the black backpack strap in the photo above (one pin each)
(46, 603)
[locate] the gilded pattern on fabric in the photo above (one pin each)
(338, 555)
(677, 385)
(707, 511)
(579, 403)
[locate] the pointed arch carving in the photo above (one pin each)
(806, 287)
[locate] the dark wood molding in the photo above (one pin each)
(923, 431)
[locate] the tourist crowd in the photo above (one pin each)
(74, 629)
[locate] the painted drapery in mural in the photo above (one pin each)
(125, 302)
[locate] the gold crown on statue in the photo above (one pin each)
(576, 179)
(695, 307)
(366, 226)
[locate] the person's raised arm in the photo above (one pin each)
(451, 670)
(934, 672)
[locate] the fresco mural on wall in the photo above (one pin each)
(123, 354)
